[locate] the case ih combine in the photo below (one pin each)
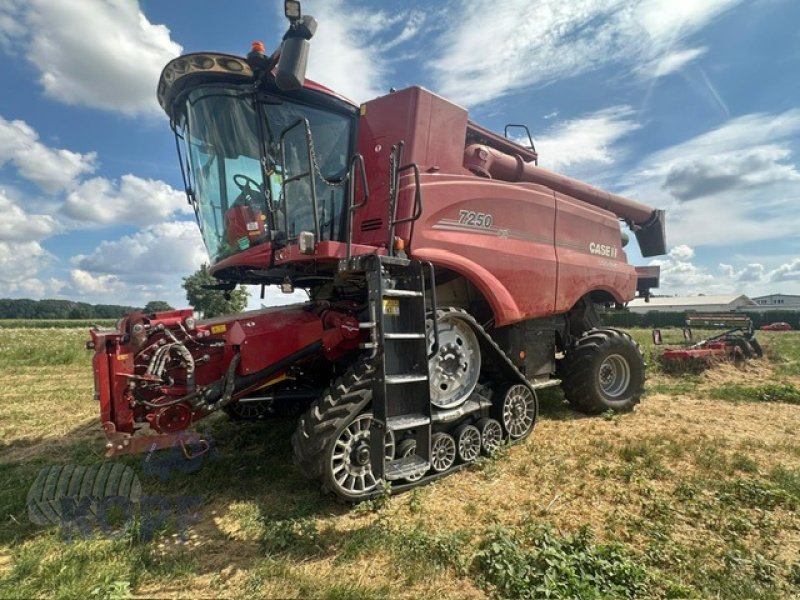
(449, 278)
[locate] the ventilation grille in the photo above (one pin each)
(371, 224)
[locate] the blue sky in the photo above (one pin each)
(686, 105)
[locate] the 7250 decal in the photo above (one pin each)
(476, 219)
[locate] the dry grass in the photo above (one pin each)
(699, 491)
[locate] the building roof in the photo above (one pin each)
(691, 301)
(768, 296)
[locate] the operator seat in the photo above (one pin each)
(245, 221)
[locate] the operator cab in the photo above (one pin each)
(260, 164)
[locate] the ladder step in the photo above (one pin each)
(400, 379)
(408, 466)
(402, 293)
(411, 421)
(404, 336)
(367, 346)
(367, 325)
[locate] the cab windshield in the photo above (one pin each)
(255, 168)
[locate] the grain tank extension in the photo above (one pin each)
(449, 279)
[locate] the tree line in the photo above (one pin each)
(202, 293)
(24, 308)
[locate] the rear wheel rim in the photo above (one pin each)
(455, 367)
(351, 467)
(614, 376)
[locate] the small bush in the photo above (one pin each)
(535, 562)
(755, 493)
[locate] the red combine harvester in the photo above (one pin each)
(449, 278)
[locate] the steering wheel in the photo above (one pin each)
(247, 181)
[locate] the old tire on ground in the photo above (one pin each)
(603, 371)
(99, 481)
(324, 431)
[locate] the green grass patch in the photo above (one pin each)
(44, 347)
(786, 393)
(533, 561)
(55, 323)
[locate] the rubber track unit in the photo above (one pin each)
(351, 394)
(578, 381)
(58, 482)
(340, 403)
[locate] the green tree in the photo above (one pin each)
(155, 306)
(212, 303)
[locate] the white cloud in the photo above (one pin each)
(670, 62)
(679, 275)
(682, 253)
(342, 57)
(586, 139)
(493, 49)
(11, 30)
(132, 200)
(738, 183)
(350, 51)
(20, 262)
(786, 272)
(102, 53)
(143, 266)
(84, 283)
(51, 169)
(163, 249)
(17, 225)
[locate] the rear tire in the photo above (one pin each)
(603, 371)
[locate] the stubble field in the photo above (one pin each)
(694, 494)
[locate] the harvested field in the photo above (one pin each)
(694, 494)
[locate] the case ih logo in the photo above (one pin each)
(603, 250)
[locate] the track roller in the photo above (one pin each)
(491, 435)
(443, 452)
(468, 439)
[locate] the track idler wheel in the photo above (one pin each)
(517, 409)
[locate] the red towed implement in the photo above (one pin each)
(735, 344)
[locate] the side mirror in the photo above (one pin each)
(291, 71)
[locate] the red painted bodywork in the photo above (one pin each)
(533, 260)
(528, 247)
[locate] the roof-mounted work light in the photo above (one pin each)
(291, 8)
(291, 69)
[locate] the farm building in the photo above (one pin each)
(778, 302)
(691, 304)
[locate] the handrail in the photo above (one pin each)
(355, 160)
(395, 159)
(309, 174)
(432, 280)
